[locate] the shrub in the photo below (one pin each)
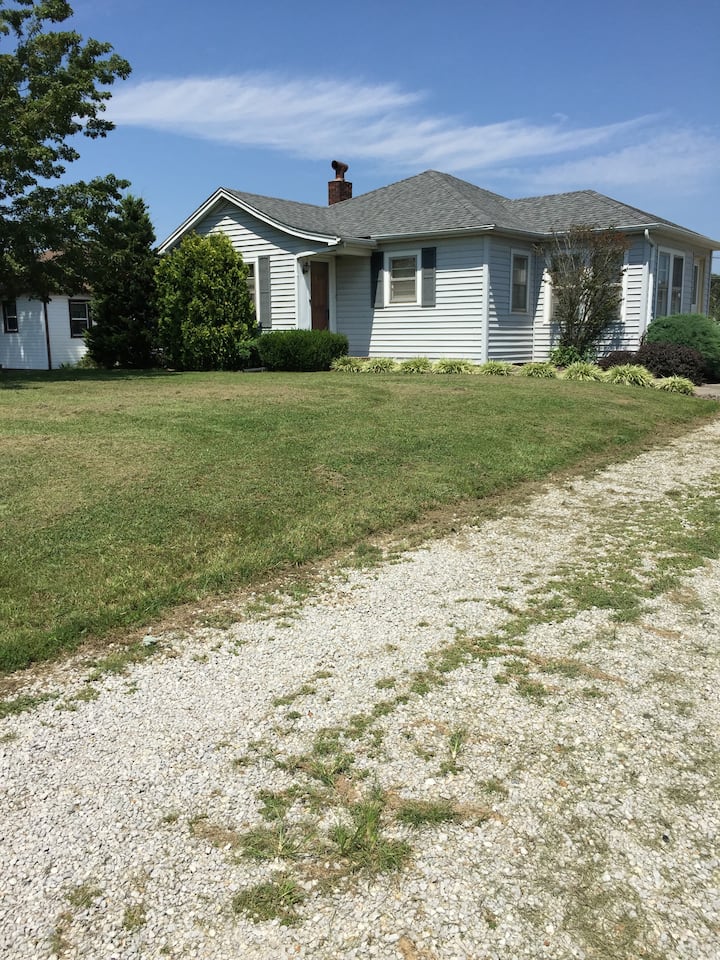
(416, 365)
(676, 385)
(616, 358)
(380, 365)
(543, 371)
(564, 356)
(450, 365)
(298, 350)
(631, 374)
(346, 364)
(496, 368)
(582, 370)
(672, 360)
(693, 330)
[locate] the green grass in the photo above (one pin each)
(125, 494)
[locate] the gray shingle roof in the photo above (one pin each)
(434, 202)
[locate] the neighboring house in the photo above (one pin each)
(39, 336)
(437, 267)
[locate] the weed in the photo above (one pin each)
(269, 843)
(116, 664)
(172, 817)
(385, 683)
(420, 813)
(135, 917)
(306, 690)
(362, 844)
(273, 900)
(21, 704)
(82, 896)
(9, 737)
(274, 804)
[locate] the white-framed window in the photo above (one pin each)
(79, 317)
(251, 282)
(698, 285)
(669, 283)
(519, 282)
(402, 277)
(10, 317)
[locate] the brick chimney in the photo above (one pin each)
(339, 189)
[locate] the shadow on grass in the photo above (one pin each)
(26, 379)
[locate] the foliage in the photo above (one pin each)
(346, 364)
(616, 358)
(416, 365)
(380, 365)
(676, 385)
(204, 307)
(672, 359)
(496, 368)
(541, 370)
(52, 88)
(564, 356)
(585, 268)
(581, 370)
(631, 374)
(693, 330)
(714, 310)
(123, 306)
(274, 899)
(298, 350)
(450, 365)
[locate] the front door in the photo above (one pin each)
(320, 294)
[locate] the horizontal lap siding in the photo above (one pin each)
(510, 335)
(253, 238)
(626, 335)
(26, 349)
(454, 326)
(353, 315)
(63, 347)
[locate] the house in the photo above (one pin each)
(435, 266)
(43, 336)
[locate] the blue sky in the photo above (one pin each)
(520, 98)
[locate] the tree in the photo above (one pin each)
(51, 89)
(585, 269)
(714, 309)
(123, 306)
(204, 307)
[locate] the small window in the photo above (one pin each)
(520, 283)
(251, 283)
(403, 279)
(79, 317)
(10, 319)
(669, 283)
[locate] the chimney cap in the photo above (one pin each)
(340, 169)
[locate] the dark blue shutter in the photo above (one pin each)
(377, 294)
(428, 264)
(263, 293)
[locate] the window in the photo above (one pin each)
(520, 286)
(79, 317)
(402, 278)
(251, 282)
(10, 319)
(668, 287)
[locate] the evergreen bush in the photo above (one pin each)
(672, 360)
(301, 350)
(693, 330)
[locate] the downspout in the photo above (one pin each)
(651, 280)
(47, 334)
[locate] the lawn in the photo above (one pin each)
(124, 494)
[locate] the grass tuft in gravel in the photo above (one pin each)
(421, 813)
(273, 900)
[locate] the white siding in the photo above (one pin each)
(510, 335)
(353, 315)
(254, 238)
(452, 328)
(27, 349)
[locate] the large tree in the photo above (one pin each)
(123, 306)
(53, 86)
(586, 269)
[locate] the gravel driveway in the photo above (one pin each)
(503, 744)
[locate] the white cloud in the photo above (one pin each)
(317, 117)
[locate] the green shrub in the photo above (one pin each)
(543, 371)
(416, 365)
(564, 356)
(496, 368)
(672, 360)
(676, 385)
(346, 364)
(693, 330)
(380, 365)
(582, 370)
(632, 374)
(298, 350)
(450, 365)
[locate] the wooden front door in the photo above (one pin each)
(320, 295)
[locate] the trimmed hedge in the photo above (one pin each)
(301, 350)
(693, 330)
(672, 360)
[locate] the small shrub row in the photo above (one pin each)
(301, 350)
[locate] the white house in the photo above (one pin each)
(438, 267)
(43, 336)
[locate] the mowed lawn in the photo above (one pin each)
(121, 495)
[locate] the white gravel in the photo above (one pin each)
(590, 815)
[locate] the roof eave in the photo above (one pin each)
(457, 232)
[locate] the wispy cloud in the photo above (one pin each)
(316, 117)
